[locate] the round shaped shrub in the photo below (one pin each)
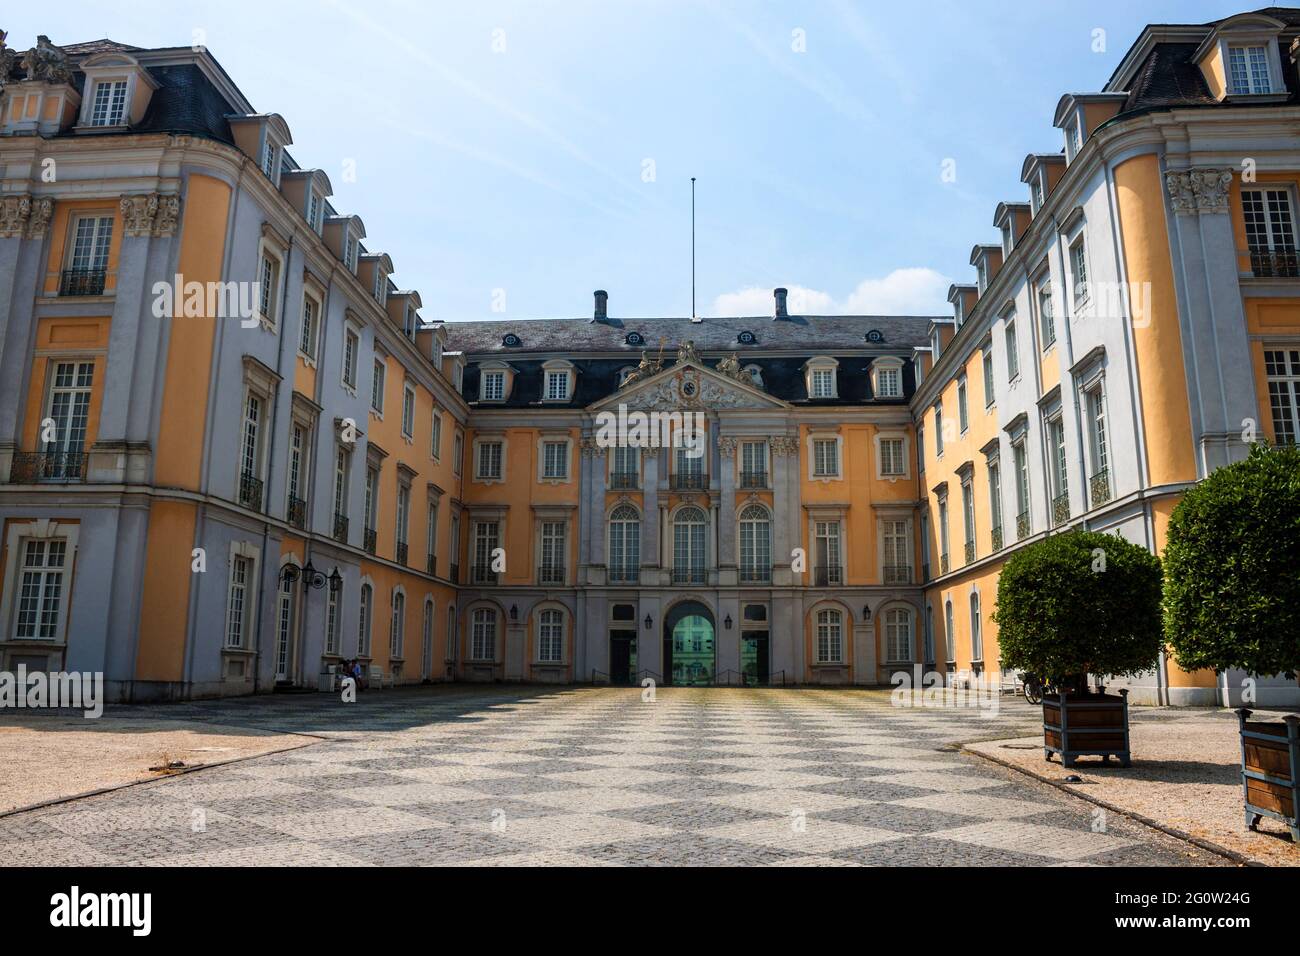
(1232, 567)
(1080, 603)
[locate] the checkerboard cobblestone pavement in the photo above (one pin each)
(594, 776)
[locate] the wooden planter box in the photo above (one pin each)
(1086, 725)
(1270, 759)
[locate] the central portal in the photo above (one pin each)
(690, 655)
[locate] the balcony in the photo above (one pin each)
(297, 512)
(32, 467)
(1099, 488)
(828, 576)
(623, 574)
(82, 281)
(403, 552)
(996, 535)
(340, 528)
(550, 574)
(1061, 509)
(1022, 525)
(756, 575)
(250, 491)
(482, 574)
(753, 479)
(689, 576)
(431, 564)
(369, 540)
(898, 574)
(623, 480)
(687, 482)
(970, 552)
(1275, 264)
(943, 563)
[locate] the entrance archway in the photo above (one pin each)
(690, 645)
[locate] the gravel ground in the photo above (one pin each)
(48, 757)
(1186, 774)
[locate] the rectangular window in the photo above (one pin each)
(92, 239)
(557, 386)
(555, 459)
(237, 606)
(898, 547)
(550, 637)
(1021, 461)
(830, 637)
(1013, 356)
(313, 211)
(995, 497)
(377, 386)
(493, 387)
(372, 498)
(251, 445)
(307, 345)
(435, 438)
(968, 518)
(431, 530)
(1056, 436)
(889, 383)
(1282, 367)
(963, 415)
(1270, 231)
(403, 513)
(943, 534)
(332, 623)
(1076, 138)
(753, 464)
(1248, 69)
(297, 462)
(458, 453)
(483, 636)
(823, 383)
(342, 464)
(351, 346)
(891, 457)
(553, 552)
(826, 535)
(1046, 320)
(938, 430)
(898, 634)
(40, 593)
(826, 457)
(1097, 429)
(69, 409)
(987, 361)
(1079, 268)
(269, 276)
(408, 411)
(489, 460)
(109, 105)
(487, 535)
(269, 156)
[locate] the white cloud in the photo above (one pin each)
(914, 291)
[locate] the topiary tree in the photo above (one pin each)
(1232, 567)
(1080, 603)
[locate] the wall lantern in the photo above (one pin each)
(336, 580)
(649, 622)
(866, 613)
(514, 612)
(726, 622)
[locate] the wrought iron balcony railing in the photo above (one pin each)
(1022, 526)
(1099, 488)
(828, 575)
(689, 576)
(756, 574)
(1060, 509)
(1282, 263)
(753, 479)
(550, 574)
(340, 528)
(943, 563)
(82, 281)
(996, 535)
(898, 574)
(32, 467)
(250, 491)
(687, 482)
(369, 540)
(403, 552)
(623, 480)
(482, 574)
(623, 573)
(297, 512)
(970, 552)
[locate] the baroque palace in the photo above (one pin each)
(234, 454)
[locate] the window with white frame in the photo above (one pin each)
(239, 601)
(408, 411)
(1046, 320)
(987, 362)
(943, 530)
(377, 386)
(1094, 400)
(929, 634)
(1079, 271)
(68, 406)
(92, 238)
(896, 539)
(397, 632)
(314, 211)
(830, 636)
(483, 634)
(1013, 354)
(963, 413)
(557, 385)
(487, 538)
(625, 466)
(458, 452)
(431, 531)
(550, 636)
(1036, 189)
(755, 544)
(689, 529)
(268, 291)
(452, 639)
(108, 103)
(555, 460)
(372, 498)
(827, 552)
(403, 513)
(492, 385)
(624, 544)
(976, 630)
(753, 464)
(1248, 70)
(342, 467)
(889, 380)
(364, 620)
(826, 458)
(949, 631)
(938, 429)
(968, 515)
(310, 327)
(270, 159)
(298, 437)
(686, 464)
(1074, 135)
(1056, 449)
(435, 435)
(40, 589)
(488, 460)
(351, 348)
(892, 461)
(822, 382)
(554, 552)
(1020, 460)
(332, 611)
(898, 634)
(251, 440)
(1282, 369)
(995, 495)
(1270, 230)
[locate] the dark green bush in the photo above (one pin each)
(1080, 603)
(1232, 566)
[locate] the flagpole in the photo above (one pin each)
(693, 316)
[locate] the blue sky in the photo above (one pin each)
(523, 154)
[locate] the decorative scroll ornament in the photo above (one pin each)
(169, 210)
(42, 213)
(14, 213)
(686, 353)
(138, 213)
(47, 62)
(1202, 190)
(588, 447)
(727, 446)
(783, 445)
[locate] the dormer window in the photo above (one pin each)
(982, 273)
(1248, 70)
(408, 323)
(1074, 137)
(958, 312)
(314, 207)
(270, 160)
(349, 248)
(1037, 190)
(557, 383)
(1006, 240)
(887, 377)
(492, 385)
(108, 105)
(821, 378)
(117, 92)
(380, 286)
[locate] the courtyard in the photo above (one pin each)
(498, 775)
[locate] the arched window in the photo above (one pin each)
(363, 624)
(483, 635)
(397, 633)
(550, 636)
(949, 638)
(426, 645)
(624, 561)
(830, 636)
(688, 546)
(898, 634)
(755, 545)
(976, 632)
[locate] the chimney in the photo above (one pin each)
(780, 295)
(602, 302)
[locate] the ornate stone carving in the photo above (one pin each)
(783, 445)
(686, 353)
(14, 213)
(730, 367)
(138, 213)
(727, 446)
(42, 213)
(8, 60)
(643, 371)
(169, 211)
(47, 62)
(1201, 190)
(588, 446)
(692, 391)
